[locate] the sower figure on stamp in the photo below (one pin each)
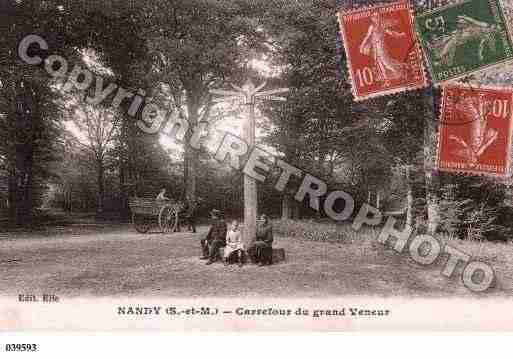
(261, 251)
(374, 45)
(215, 239)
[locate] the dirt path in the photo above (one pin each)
(124, 263)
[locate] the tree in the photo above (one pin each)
(196, 45)
(30, 106)
(71, 190)
(29, 125)
(403, 112)
(99, 127)
(309, 129)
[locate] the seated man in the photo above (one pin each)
(215, 239)
(262, 252)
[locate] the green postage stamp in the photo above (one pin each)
(468, 36)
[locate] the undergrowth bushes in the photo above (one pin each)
(312, 230)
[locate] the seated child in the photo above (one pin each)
(234, 245)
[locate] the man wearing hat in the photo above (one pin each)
(215, 239)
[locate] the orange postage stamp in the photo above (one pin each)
(475, 130)
(383, 54)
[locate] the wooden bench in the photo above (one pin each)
(278, 254)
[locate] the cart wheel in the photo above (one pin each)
(168, 219)
(141, 223)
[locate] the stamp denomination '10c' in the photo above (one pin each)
(382, 50)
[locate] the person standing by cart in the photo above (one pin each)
(189, 212)
(161, 197)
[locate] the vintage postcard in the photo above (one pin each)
(475, 130)
(464, 37)
(383, 56)
(196, 165)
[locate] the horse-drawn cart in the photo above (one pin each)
(148, 212)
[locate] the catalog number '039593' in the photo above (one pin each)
(21, 347)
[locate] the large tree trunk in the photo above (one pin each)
(123, 198)
(28, 190)
(191, 173)
(124, 210)
(21, 189)
(432, 201)
(431, 176)
(101, 186)
(296, 210)
(12, 184)
(409, 197)
(286, 207)
(70, 199)
(191, 156)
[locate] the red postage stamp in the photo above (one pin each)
(383, 53)
(475, 130)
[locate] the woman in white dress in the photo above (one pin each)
(234, 245)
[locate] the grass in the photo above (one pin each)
(322, 260)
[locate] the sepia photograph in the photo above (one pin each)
(256, 165)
